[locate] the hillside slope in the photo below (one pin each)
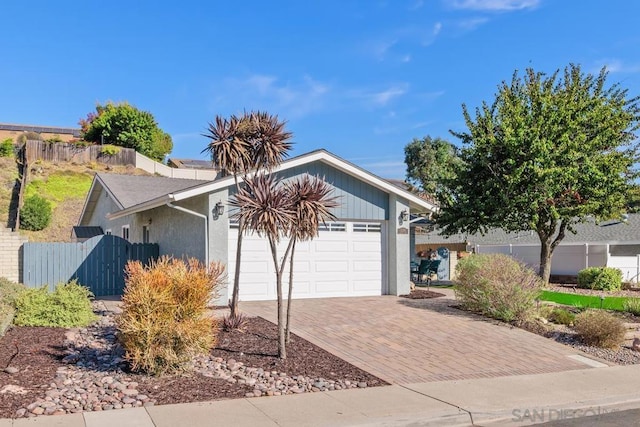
(65, 185)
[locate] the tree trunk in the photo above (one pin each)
(545, 259)
(233, 305)
(288, 327)
(282, 347)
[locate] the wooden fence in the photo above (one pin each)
(97, 263)
(68, 152)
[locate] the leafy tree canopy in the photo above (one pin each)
(430, 162)
(546, 154)
(124, 125)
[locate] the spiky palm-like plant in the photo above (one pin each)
(312, 203)
(265, 208)
(240, 145)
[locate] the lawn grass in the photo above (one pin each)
(585, 301)
(60, 186)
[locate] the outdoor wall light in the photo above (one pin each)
(218, 210)
(404, 215)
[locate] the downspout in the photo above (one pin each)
(206, 227)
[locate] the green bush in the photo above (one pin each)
(68, 306)
(6, 148)
(562, 316)
(163, 324)
(497, 286)
(632, 305)
(8, 293)
(600, 278)
(599, 328)
(35, 214)
(109, 150)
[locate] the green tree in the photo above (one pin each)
(242, 144)
(548, 153)
(430, 162)
(124, 125)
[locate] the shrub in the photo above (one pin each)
(561, 316)
(109, 150)
(599, 328)
(8, 292)
(497, 286)
(6, 148)
(632, 305)
(29, 136)
(231, 323)
(163, 323)
(68, 306)
(600, 278)
(35, 214)
(55, 139)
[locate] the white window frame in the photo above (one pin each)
(367, 227)
(108, 232)
(126, 234)
(334, 226)
(146, 234)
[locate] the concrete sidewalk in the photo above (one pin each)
(516, 400)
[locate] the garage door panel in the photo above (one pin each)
(300, 288)
(370, 246)
(339, 246)
(363, 266)
(332, 287)
(331, 266)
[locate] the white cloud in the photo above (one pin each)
(494, 5)
(384, 97)
(406, 58)
(258, 91)
(615, 65)
(471, 24)
(437, 27)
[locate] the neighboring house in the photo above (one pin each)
(13, 131)
(366, 251)
(614, 243)
(190, 164)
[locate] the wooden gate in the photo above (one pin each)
(97, 263)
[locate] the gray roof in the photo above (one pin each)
(614, 231)
(87, 232)
(131, 190)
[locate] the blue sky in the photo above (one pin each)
(358, 78)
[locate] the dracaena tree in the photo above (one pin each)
(548, 153)
(312, 203)
(240, 145)
(279, 211)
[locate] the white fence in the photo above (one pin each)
(570, 259)
(145, 163)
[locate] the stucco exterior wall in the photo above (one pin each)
(398, 248)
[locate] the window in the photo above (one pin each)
(145, 234)
(125, 232)
(108, 232)
(333, 226)
(366, 228)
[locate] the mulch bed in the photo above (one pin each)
(422, 294)
(40, 350)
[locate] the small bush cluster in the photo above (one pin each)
(29, 136)
(68, 306)
(599, 328)
(632, 305)
(561, 316)
(7, 148)
(600, 278)
(35, 214)
(497, 286)
(109, 150)
(8, 293)
(163, 324)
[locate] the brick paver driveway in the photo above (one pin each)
(407, 341)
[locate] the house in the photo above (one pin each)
(614, 243)
(366, 251)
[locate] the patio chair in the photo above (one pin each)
(426, 268)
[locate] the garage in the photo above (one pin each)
(346, 259)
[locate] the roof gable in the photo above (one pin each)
(323, 156)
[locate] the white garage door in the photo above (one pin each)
(344, 260)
